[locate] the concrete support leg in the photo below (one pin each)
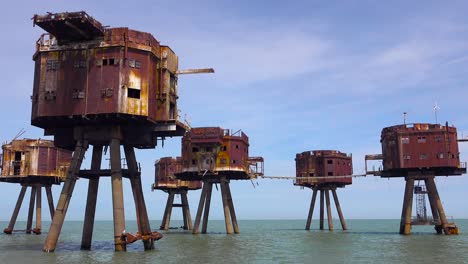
(50, 200)
(322, 215)
(435, 211)
(311, 209)
(38, 228)
(329, 213)
(405, 224)
(227, 215)
(14, 216)
(206, 213)
(200, 208)
(168, 211)
(91, 200)
(65, 196)
(338, 209)
(140, 205)
(432, 191)
(31, 210)
(231, 208)
(186, 211)
(117, 193)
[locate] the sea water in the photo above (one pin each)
(259, 241)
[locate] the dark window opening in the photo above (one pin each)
(111, 61)
(311, 174)
(224, 148)
(104, 62)
(133, 93)
(237, 146)
(195, 150)
(330, 173)
(233, 161)
(329, 161)
(194, 162)
(209, 149)
(17, 156)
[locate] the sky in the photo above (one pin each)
(293, 75)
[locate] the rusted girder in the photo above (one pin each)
(128, 238)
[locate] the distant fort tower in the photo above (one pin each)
(106, 87)
(34, 163)
(165, 180)
(420, 152)
(215, 155)
(324, 171)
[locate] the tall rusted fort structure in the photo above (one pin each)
(217, 156)
(420, 152)
(35, 164)
(106, 87)
(165, 180)
(324, 171)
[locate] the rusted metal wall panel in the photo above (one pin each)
(33, 157)
(212, 149)
(323, 163)
(165, 170)
(416, 146)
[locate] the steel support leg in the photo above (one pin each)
(338, 209)
(50, 200)
(31, 210)
(206, 212)
(322, 214)
(91, 200)
(311, 209)
(329, 213)
(14, 216)
(65, 196)
(227, 216)
(405, 224)
(432, 189)
(140, 205)
(231, 208)
(38, 228)
(200, 208)
(117, 193)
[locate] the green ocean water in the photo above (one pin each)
(260, 241)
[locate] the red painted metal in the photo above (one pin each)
(419, 148)
(86, 75)
(419, 145)
(165, 170)
(34, 160)
(215, 151)
(323, 163)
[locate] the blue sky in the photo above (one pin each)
(294, 76)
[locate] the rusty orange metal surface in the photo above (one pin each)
(165, 170)
(34, 158)
(86, 74)
(323, 163)
(215, 151)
